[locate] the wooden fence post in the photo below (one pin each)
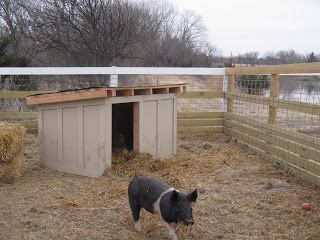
(7, 84)
(274, 93)
(230, 90)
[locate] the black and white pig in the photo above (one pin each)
(160, 198)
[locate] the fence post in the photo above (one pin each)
(274, 93)
(7, 84)
(113, 78)
(230, 90)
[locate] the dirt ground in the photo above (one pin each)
(241, 196)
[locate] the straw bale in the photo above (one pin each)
(11, 140)
(10, 171)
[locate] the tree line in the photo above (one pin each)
(103, 33)
(274, 58)
(114, 32)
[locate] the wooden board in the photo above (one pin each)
(201, 94)
(280, 153)
(19, 94)
(190, 130)
(301, 138)
(268, 136)
(276, 69)
(29, 124)
(193, 115)
(304, 174)
(92, 93)
(278, 103)
(200, 122)
(18, 115)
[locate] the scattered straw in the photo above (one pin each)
(70, 203)
(233, 202)
(10, 171)
(11, 140)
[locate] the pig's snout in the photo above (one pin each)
(189, 222)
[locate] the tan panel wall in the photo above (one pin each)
(148, 127)
(50, 138)
(77, 136)
(107, 136)
(91, 138)
(166, 127)
(70, 151)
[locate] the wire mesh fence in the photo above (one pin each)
(298, 89)
(195, 83)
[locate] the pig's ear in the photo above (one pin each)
(193, 196)
(175, 196)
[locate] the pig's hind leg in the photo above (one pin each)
(135, 209)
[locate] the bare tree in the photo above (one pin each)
(248, 58)
(290, 56)
(13, 20)
(105, 32)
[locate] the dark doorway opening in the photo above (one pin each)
(122, 126)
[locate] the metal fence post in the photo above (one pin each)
(274, 93)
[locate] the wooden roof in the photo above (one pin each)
(102, 92)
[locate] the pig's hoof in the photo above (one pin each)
(137, 226)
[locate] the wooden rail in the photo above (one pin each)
(276, 69)
(201, 94)
(202, 122)
(19, 94)
(101, 92)
(188, 122)
(18, 115)
(310, 141)
(276, 103)
(193, 94)
(295, 151)
(274, 145)
(110, 71)
(272, 137)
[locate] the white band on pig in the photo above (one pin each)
(156, 205)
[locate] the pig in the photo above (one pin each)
(158, 197)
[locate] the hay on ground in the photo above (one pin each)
(10, 171)
(11, 140)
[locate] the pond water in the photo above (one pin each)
(303, 91)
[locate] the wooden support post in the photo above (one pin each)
(136, 128)
(230, 89)
(274, 93)
(7, 84)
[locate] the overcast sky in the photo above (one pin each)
(240, 26)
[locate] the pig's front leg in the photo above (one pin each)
(138, 226)
(171, 230)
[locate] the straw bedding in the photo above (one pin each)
(11, 143)
(241, 196)
(11, 140)
(10, 171)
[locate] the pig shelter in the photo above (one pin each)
(79, 128)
